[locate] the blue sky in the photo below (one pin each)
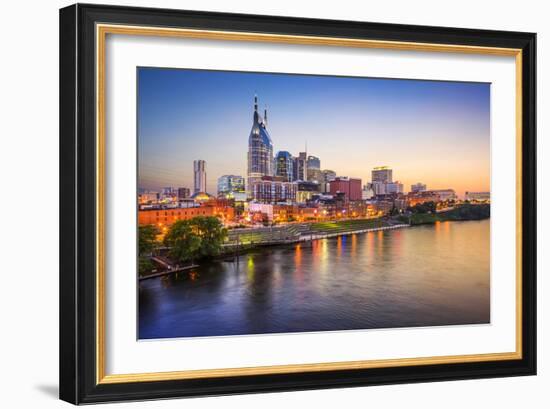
(434, 132)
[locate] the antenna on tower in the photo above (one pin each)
(265, 115)
(255, 102)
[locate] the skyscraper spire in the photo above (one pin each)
(265, 116)
(260, 151)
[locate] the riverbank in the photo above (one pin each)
(297, 232)
(234, 249)
(464, 212)
(242, 241)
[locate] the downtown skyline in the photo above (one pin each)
(437, 133)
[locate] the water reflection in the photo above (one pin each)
(420, 276)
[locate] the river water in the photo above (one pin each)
(416, 276)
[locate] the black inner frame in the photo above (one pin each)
(78, 211)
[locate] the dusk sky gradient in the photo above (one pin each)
(432, 132)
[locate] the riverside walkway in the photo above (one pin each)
(298, 232)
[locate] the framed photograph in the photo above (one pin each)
(257, 203)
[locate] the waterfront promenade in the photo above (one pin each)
(299, 232)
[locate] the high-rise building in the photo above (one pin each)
(269, 189)
(199, 170)
(314, 173)
(350, 187)
(382, 174)
(230, 184)
(284, 165)
(418, 187)
(313, 162)
(300, 166)
(260, 149)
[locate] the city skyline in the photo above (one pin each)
(432, 132)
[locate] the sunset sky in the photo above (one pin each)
(432, 132)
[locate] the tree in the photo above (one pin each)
(212, 234)
(183, 242)
(426, 207)
(147, 242)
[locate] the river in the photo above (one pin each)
(417, 276)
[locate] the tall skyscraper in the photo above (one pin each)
(313, 162)
(314, 173)
(382, 174)
(199, 169)
(300, 166)
(260, 149)
(284, 165)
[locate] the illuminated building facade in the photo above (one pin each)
(426, 196)
(315, 175)
(148, 197)
(273, 190)
(166, 216)
(260, 149)
(230, 184)
(306, 190)
(284, 165)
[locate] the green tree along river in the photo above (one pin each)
(428, 275)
